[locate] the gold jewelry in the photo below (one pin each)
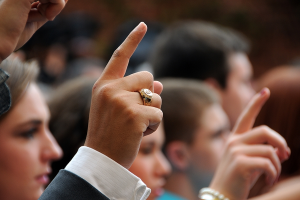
(210, 194)
(146, 96)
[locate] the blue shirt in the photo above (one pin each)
(170, 196)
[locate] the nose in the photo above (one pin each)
(163, 167)
(51, 150)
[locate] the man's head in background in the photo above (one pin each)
(196, 129)
(194, 122)
(207, 52)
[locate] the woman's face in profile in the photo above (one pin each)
(26, 148)
(150, 164)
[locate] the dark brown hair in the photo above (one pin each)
(196, 50)
(69, 107)
(21, 75)
(282, 111)
(183, 104)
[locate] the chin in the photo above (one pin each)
(155, 193)
(38, 193)
(151, 197)
(33, 194)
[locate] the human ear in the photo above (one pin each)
(213, 83)
(178, 154)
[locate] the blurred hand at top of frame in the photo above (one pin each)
(20, 19)
(118, 119)
(249, 154)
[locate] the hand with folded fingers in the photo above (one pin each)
(20, 19)
(250, 154)
(118, 117)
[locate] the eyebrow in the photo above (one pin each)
(221, 130)
(152, 143)
(33, 122)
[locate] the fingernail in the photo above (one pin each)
(287, 153)
(285, 156)
(139, 27)
(263, 92)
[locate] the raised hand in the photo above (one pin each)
(118, 119)
(249, 154)
(20, 19)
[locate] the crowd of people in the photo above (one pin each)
(73, 128)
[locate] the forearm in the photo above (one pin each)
(13, 18)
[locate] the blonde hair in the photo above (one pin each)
(21, 75)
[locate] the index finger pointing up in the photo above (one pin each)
(248, 116)
(117, 64)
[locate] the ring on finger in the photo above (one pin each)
(146, 96)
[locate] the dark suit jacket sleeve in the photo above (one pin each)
(67, 185)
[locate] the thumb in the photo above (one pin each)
(247, 118)
(35, 15)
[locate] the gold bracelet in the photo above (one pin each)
(210, 194)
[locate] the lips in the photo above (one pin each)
(158, 192)
(43, 179)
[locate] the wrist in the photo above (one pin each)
(115, 156)
(210, 194)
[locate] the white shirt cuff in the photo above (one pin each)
(106, 175)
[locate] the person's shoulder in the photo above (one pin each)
(67, 185)
(170, 196)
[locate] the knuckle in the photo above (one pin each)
(104, 91)
(239, 160)
(133, 39)
(264, 129)
(147, 76)
(130, 37)
(132, 114)
(235, 152)
(279, 168)
(119, 101)
(269, 150)
(267, 164)
(158, 100)
(95, 88)
(231, 143)
(118, 53)
(159, 114)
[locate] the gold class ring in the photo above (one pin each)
(146, 96)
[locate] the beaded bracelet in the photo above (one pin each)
(210, 194)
